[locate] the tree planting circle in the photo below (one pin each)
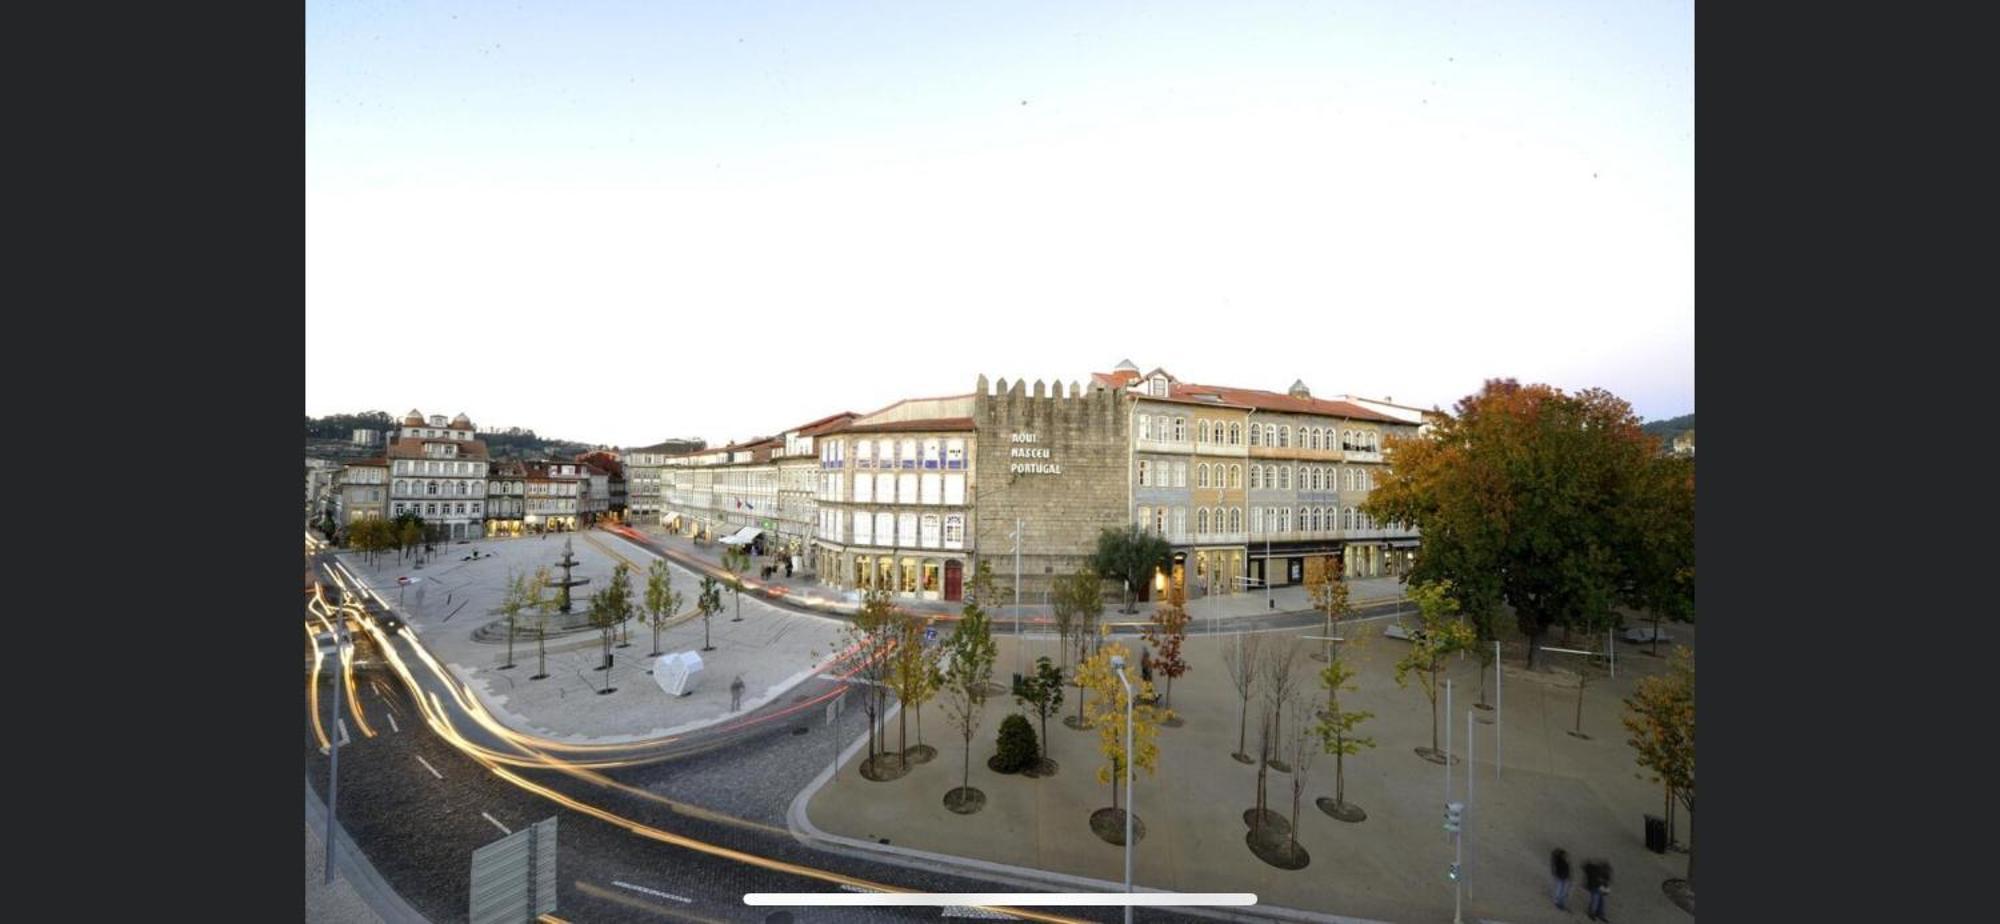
(1435, 756)
(1277, 849)
(1272, 820)
(1679, 893)
(1341, 811)
(1072, 722)
(883, 767)
(1109, 825)
(964, 800)
(920, 754)
(1040, 768)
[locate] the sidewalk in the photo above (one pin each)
(799, 590)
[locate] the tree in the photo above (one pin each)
(1079, 603)
(1659, 542)
(662, 601)
(1328, 594)
(709, 602)
(1130, 556)
(1107, 713)
(1301, 746)
(541, 605)
(968, 666)
(1520, 496)
(1337, 735)
(610, 608)
(912, 670)
(1438, 636)
(1042, 692)
(872, 636)
(1279, 671)
(735, 559)
(410, 535)
(512, 603)
(1167, 634)
(1660, 716)
(1241, 654)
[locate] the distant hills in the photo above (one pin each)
(329, 437)
(1667, 429)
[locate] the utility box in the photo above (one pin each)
(1656, 834)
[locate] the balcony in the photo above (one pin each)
(1218, 449)
(1177, 447)
(1360, 455)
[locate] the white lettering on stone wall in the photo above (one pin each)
(1031, 452)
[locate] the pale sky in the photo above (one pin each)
(621, 222)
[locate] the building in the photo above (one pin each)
(438, 471)
(642, 476)
(1244, 484)
(506, 499)
(1683, 444)
(596, 495)
(362, 492)
(362, 436)
(553, 495)
(321, 474)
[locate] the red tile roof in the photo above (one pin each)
(411, 447)
(825, 424)
(1224, 396)
(906, 426)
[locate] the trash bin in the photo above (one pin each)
(1656, 834)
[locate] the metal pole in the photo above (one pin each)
(1611, 651)
(1499, 709)
(1447, 739)
(333, 743)
(1017, 595)
(1269, 603)
(1470, 762)
(1130, 801)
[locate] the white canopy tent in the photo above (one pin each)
(744, 536)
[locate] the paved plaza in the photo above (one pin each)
(1552, 790)
(772, 649)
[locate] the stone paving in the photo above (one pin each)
(1553, 790)
(773, 649)
(331, 904)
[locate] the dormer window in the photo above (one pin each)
(1157, 386)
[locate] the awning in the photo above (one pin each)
(744, 536)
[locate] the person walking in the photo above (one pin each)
(1559, 869)
(1597, 879)
(736, 693)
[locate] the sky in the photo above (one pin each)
(619, 222)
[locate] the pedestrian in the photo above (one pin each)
(1597, 880)
(788, 566)
(736, 693)
(1559, 868)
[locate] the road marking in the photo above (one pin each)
(496, 823)
(971, 911)
(344, 740)
(392, 723)
(653, 892)
(427, 766)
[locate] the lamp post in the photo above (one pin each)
(333, 740)
(1118, 664)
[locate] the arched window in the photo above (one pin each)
(1204, 431)
(1201, 521)
(1270, 434)
(1235, 519)
(1284, 478)
(1347, 519)
(430, 487)
(1285, 437)
(402, 487)
(1256, 476)
(1236, 434)
(1145, 426)
(1256, 519)
(1201, 476)
(1236, 476)
(1312, 438)
(1255, 436)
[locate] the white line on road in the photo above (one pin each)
(343, 733)
(968, 911)
(427, 766)
(653, 892)
(496, 823)
(392, 723)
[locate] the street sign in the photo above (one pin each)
(930, 636)
(514, 878)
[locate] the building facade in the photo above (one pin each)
(894, 500)
(506, 499)
(438, 471)
(363, 491)
(553, 496)
(643, 481)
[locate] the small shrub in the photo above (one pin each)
(1017, 745)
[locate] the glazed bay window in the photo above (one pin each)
(864, 530)
(933, 453)
(864, 487)
(954, 532)
(906, 529)
(954, 489)
(885, 488)
(864, 454)
(885, 529)
(906, 488)
(932, 491)
(933, 535)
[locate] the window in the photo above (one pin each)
(1159, 521)
(933, 453)
(885, 488)
(1145, 473)
(864, 487)
(932, 531)
(1285, 437)
(1236, 434)
(1347, 519)
(864, 454)
(1255, 436)
(1158, 386)
(864, 530)
(1180, 523)
(1235, 519)
(1236, 476)
(1201, 477)
(1256, 516)
(1208, 434)
(885, 529)
(430, 487)
(908, 457)
(1256, 476)
(932, 485)
(954, 532)
(1180, 474)
(1145, 426)
(1284, 478)
(1180, 429)
(954, 489)
(954, 454)
(1144, 517)
(1201, 521)
(906, 529)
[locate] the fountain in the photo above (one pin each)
(562, 587)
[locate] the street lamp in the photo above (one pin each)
(1118, 664)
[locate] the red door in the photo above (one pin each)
(954, 580)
